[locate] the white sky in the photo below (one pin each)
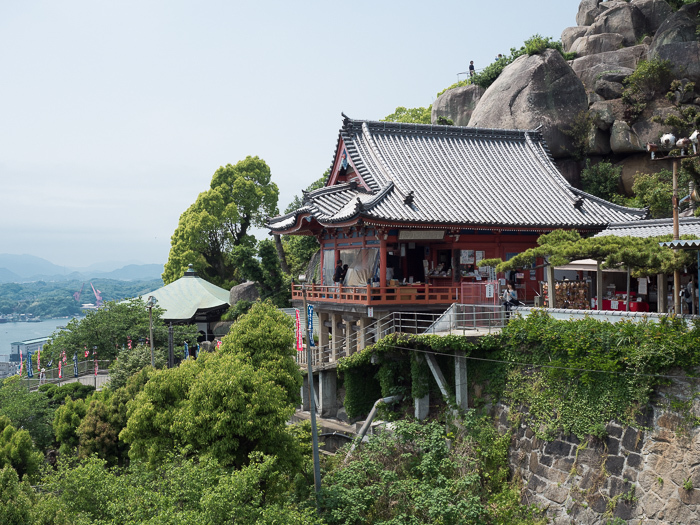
(115, 114)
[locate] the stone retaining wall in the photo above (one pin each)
(649, 474)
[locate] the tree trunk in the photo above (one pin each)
(280, 254)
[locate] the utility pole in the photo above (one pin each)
(312, 396)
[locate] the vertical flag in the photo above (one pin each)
(196, 355)
(30, 373)
(310, 319)
(187, 350)
(59, 370)
(21, 363)
(38, 358)
(128, 342)
(218, 344)
(63, 357)
(75, 364)
(300, 343)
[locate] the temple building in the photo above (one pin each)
(413, 208)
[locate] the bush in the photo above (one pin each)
(601, 180)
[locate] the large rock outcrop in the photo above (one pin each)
(599, 43)
(677, 41)
(589, 67)
(655, 13)
(247, 291)
(532, 91)
(457, 104)
(570, 35)
(624, 19)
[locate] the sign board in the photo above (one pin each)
(489, 291)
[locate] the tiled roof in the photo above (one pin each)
(653, 228)
(419, 174)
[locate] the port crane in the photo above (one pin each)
(77, 295)
(98, 296)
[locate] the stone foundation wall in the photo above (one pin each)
(649, 474)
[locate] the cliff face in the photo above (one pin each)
(645, 474)
(610, 40)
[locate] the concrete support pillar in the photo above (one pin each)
(550, 286)
(305, 402)
(362, 333)
(661, 293)
(323, 338)
(327, 400)
(335, 342)
(350, 338)
(421, 407)
(461, 388)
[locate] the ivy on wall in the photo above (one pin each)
(572, 376)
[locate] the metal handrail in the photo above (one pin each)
(85, 368)
(458, 319)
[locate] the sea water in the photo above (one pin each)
(21, 331)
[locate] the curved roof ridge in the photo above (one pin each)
(643, 212)
(350, 124)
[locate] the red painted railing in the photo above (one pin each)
(375, 295)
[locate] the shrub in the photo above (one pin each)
(601, 180)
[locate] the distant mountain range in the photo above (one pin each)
(29, 268)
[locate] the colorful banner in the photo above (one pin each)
(196, 354)
(21, 363)
(95, 366)
(218, 344)
(60, 375)
(310, 319)
(300, 342)
(38, 359)
(187, 351)
(30, 372)
(75, 364)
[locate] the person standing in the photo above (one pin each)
(471, 68)
(338, 274)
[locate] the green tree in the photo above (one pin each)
(17, 450)
(410, 115)
(105, 417)
(27, 410)
(218, 224)
(655, 191)
(66, 422)
(265, 338)
(226, 404)
(129, 362)
(109, 329)
(15, 498)
(602, 180)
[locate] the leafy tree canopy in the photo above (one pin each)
(27, 410)
(643, 256)
(226, 404)
(211, 231)
(17, 450)
(410, 115)
(111, 327)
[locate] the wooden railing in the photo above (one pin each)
(375, 295)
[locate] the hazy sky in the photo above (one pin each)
(115, 114)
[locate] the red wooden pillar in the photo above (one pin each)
(382, 261)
